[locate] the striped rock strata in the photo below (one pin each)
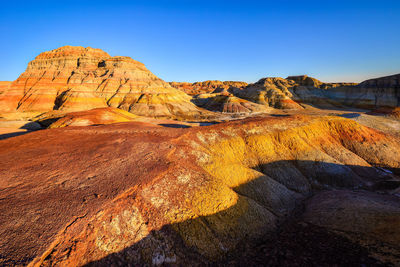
(77, 78)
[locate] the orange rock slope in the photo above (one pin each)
(142, 194)
(4, 86)
(77, 78)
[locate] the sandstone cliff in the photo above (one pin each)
(77, 78)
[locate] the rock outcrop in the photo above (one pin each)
(77, 78)
(227, 103)
(271, 92)
(207, 87)
(304, 80)
(93, 117)
(136, 193)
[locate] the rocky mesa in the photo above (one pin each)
(77, 78)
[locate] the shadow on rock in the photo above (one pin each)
(288, 231)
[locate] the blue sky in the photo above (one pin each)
(206, 40)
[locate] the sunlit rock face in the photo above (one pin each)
(77, 78)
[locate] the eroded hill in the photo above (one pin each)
(77, 78)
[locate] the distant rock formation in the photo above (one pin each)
(304, 80)
(370, 94)
(271, 92)
(207, 87)
(227, 103)
(77, 78)
(293, 92)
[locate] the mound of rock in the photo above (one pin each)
(271, 92)
(142, 194)
(93, 117)
(227, 103)
(77, 78)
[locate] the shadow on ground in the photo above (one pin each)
(8, 135)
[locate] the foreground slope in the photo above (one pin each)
(132, 192)
(77, 78)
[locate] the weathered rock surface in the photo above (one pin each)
(77, 78)
(207, 87)
(132, 192)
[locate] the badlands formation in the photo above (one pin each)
(127, 169)
(77, 78)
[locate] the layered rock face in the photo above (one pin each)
(370, 94)
(304, 80)
(77, 78)
(134, 193)
(292, 92)
(207, 87)
(4, 85)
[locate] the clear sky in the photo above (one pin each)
(205, 40)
